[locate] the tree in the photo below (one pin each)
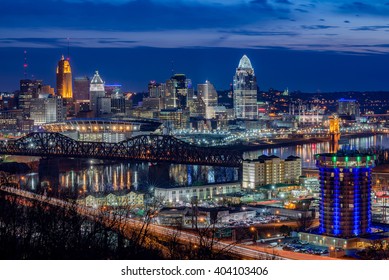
(285, 230)
(377, 250)
(305, 221)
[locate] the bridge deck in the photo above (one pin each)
(149, 148)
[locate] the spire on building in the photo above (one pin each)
(97, 79)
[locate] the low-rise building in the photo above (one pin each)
(131, 199)
(205, 192)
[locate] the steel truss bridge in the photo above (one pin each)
(146, 148)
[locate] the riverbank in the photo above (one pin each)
(277, 143)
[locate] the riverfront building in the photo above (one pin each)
(270, 170)
(206, 192)
(345, 202)
(345, 184)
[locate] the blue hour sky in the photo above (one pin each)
(305, 45)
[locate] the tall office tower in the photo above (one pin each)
(156, 90)
(64, 79)
(46, 109)
(81, 88)
(119, 105)
(208, 94)
(345, 186)
(103, 106)
(245, 91)
(348, 108)
(169, 98)
(197, 107)
(178, 91)
(96, 91)
(28, 89)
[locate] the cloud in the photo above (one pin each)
(301, 10)
(371, 28)
(373, 8)
(261, 33)
(287, 2)
(192, 23)
(317, 27)
(260, 2)
(135, 15)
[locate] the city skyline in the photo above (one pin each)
(305, 45)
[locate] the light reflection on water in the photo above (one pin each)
(307, 151)
(72, 177)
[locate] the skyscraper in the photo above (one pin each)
(178, 91)
(245, 91)
(64, 79)
(29, 89)
(81, 88)
(46, 109)
(208, 94)
(97, 91)
(156, 90)
(345, 185)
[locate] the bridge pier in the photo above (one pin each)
(159, 174)
(49, 176)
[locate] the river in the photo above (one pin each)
(73, 177)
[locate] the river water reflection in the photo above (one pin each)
(75, 177)
(307, 151)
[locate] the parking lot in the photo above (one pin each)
(303, 247)
(258, 220)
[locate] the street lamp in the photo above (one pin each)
(255, 233)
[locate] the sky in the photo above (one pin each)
(306, 45)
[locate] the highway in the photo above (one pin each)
(127, 226)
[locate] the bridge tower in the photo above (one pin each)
(334, 133)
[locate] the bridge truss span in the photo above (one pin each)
(149, 148)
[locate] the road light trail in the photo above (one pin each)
(127, 225)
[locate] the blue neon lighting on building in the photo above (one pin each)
(347, 100)
(357, 202)
(345, 205)
(336, 215)
(369, 218)
(321, 205)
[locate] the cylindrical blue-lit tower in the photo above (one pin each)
(345, 184)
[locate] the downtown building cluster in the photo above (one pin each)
(181, 105)
(177, 103)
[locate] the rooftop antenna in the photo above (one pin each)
(25, 65)
(172, 67)
(68, 58)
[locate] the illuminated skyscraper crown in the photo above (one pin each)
(245, 63)
(97, 79)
